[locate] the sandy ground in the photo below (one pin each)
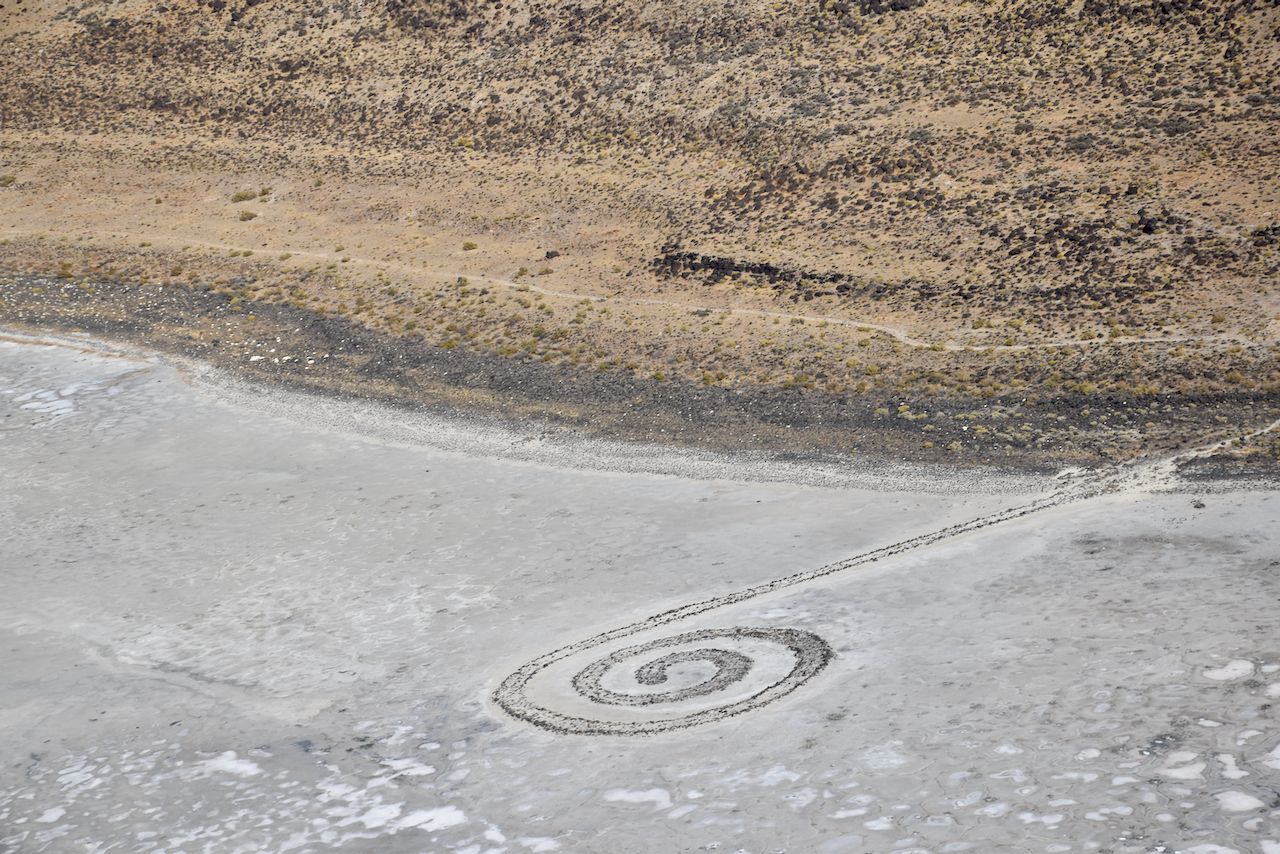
(238, 620)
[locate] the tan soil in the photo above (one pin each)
(1020, 203)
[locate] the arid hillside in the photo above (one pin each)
(916, 216)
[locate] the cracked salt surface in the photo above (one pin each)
(230, 630)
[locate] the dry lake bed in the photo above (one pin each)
(236, 619)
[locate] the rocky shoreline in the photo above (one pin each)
(306, 350)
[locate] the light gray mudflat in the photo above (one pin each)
(237, 622)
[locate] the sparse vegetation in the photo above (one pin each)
(1105, 234)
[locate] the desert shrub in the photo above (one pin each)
(244, 196)
(245, 216)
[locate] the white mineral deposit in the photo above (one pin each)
(240, 619)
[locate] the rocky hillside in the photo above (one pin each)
(1077, 152)
(1008, 173)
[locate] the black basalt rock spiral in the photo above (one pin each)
(737, 668)
(809, 654)
(730, 668)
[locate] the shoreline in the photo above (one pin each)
(834, 440)
(469, 434)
